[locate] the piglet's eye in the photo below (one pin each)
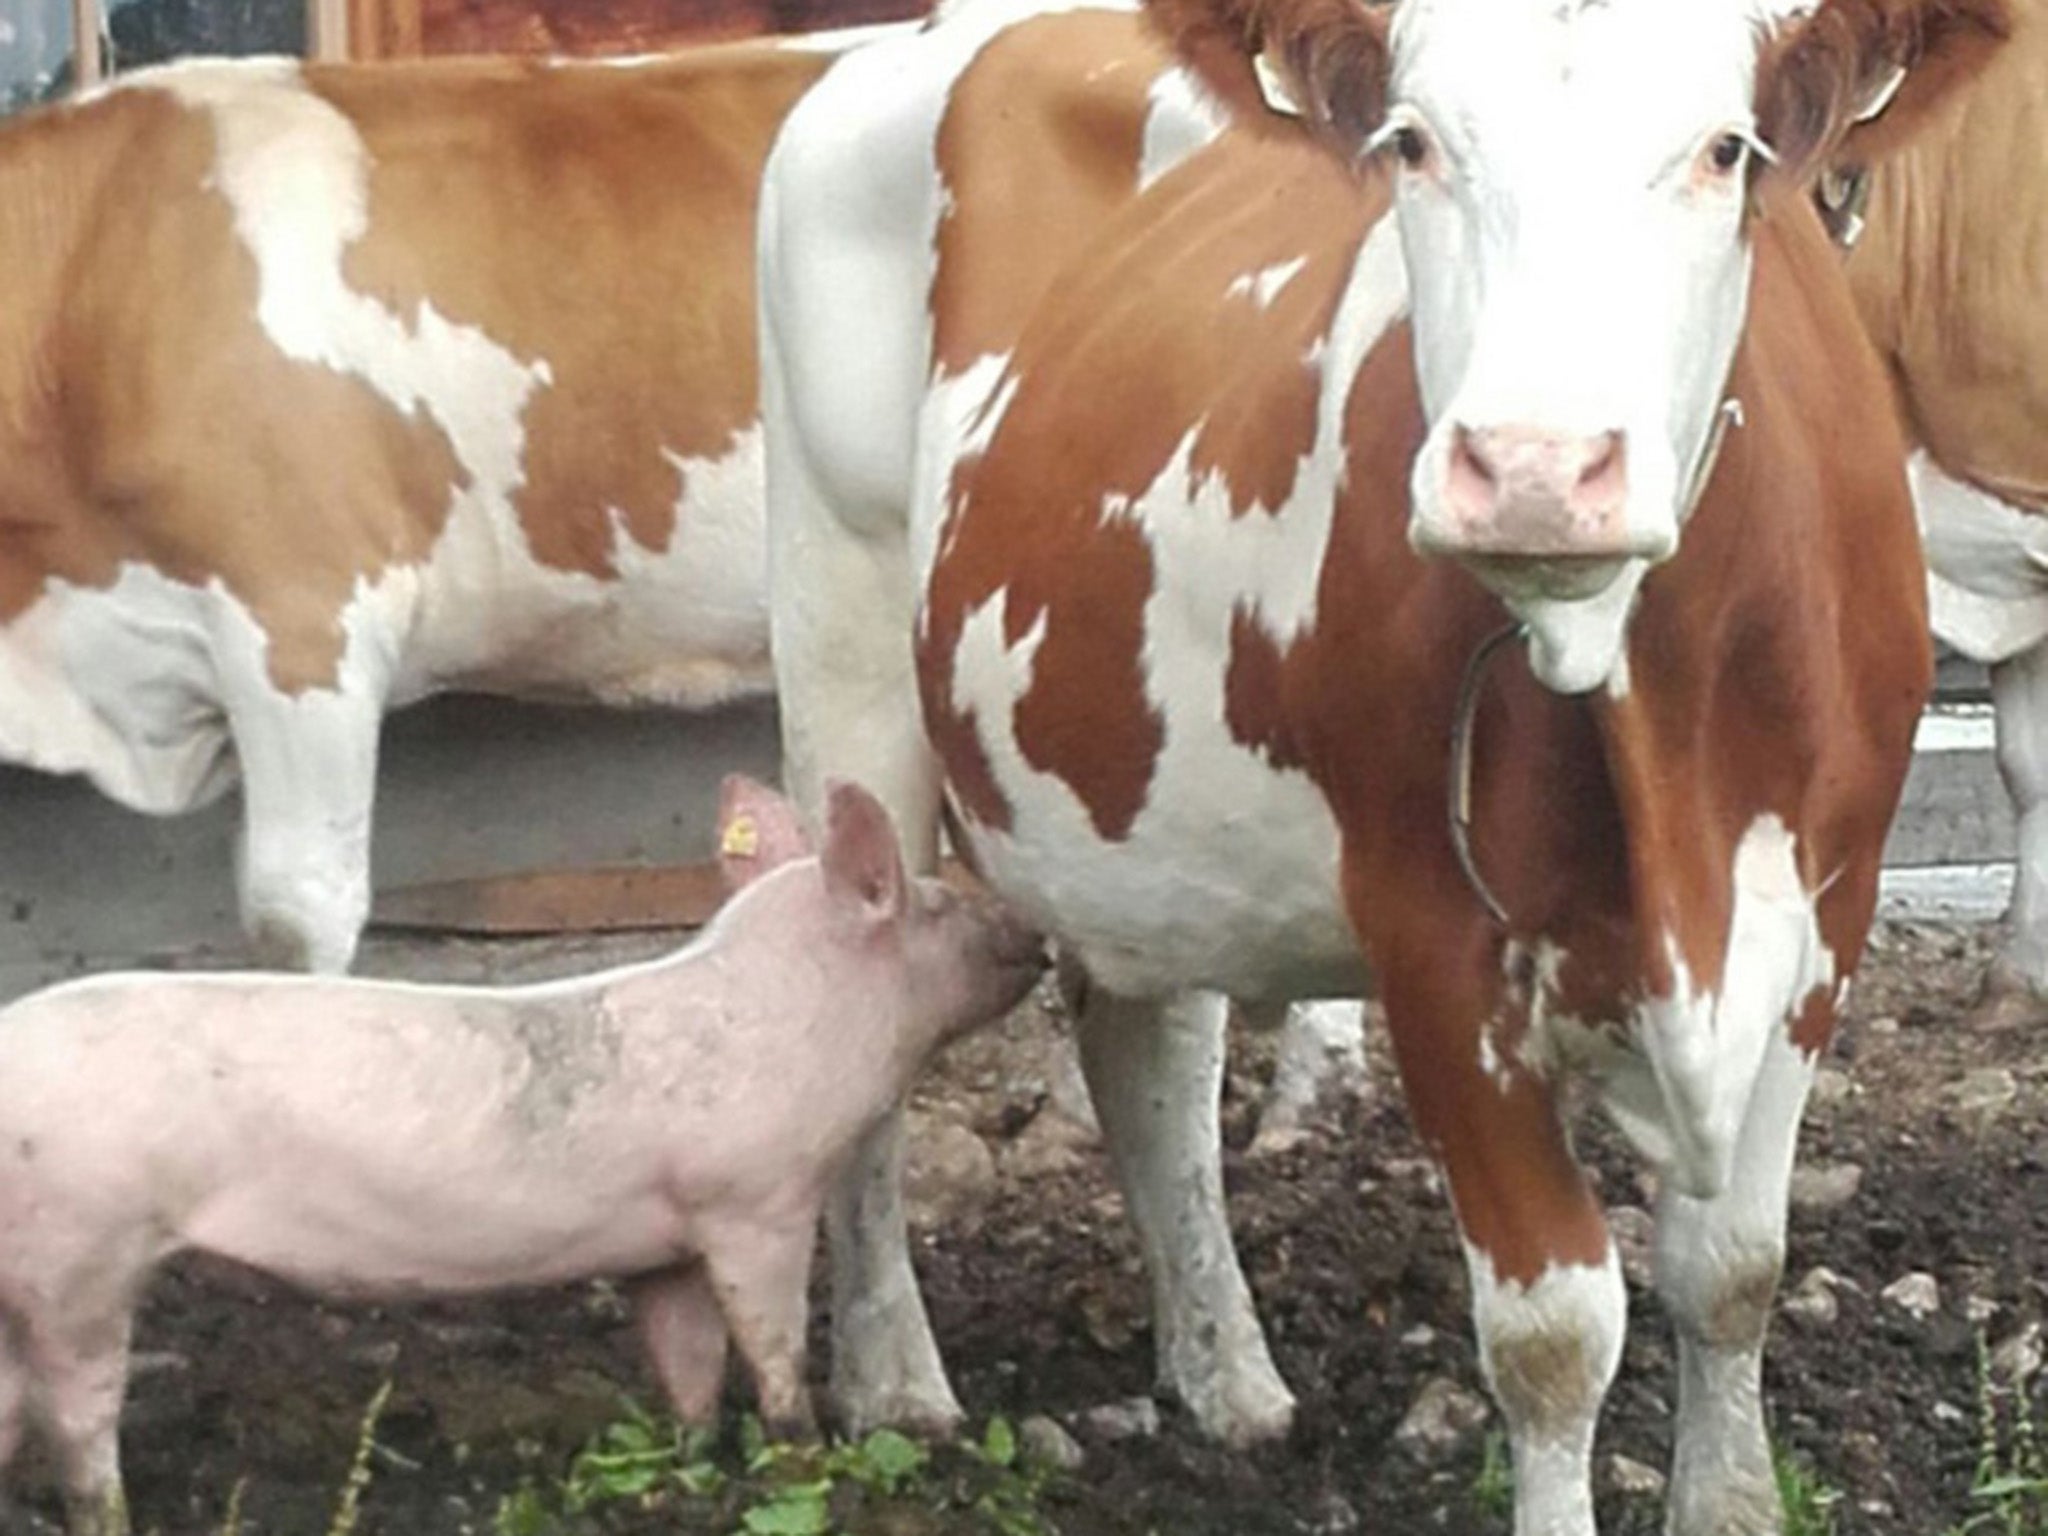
(1728, 152)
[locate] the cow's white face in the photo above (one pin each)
(1571, 180)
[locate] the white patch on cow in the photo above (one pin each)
(1263, 286)
(1987, 566)
(1706, 1049)
(1184, 119)
(1567, 1328)
(1229, 876)
(118, 683)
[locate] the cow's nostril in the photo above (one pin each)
(1603, 469)
(1469, 457)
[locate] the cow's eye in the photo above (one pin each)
(1411, 146)
(1728, 152)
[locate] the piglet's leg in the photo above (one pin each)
(685, 1336)
(761, 1277)
(13, 1400)
(80, 1366)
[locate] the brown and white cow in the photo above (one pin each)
(324, 388)
(1111, 409)
(1951, 276)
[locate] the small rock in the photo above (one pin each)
(949, 1176)
(1635, 1238)
(1632, 1479)
(1985, 1091)
(1421, 1336)
(1334, 1515)
(1884, 1024)
(154, 1362)
(1825, 1186)
(1135, 1418)
(1979, 1310)
(1442, 1418)
(2018, 1360)
(1046, 1443)
(1812, 1302)
(1917, 1294)
(1830, 1087)
(1949, 1413)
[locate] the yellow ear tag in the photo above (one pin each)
(742, 838)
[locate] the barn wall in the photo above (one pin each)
(470, 787)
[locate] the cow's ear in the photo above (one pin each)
(1325, 60)
(1855, 79)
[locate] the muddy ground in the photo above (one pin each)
(1038, 1300)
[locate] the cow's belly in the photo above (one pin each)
(1987, 566)
(683, 625)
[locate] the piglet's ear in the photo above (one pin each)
(1855, 79)
(1329, 58)
(862, 862)
(758, 831)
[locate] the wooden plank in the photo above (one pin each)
(328, 24)
(88, 64)
(614, 900)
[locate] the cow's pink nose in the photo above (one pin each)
(1523, 491)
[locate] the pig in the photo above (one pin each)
(675, 1122)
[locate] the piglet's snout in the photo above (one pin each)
(1524, 492)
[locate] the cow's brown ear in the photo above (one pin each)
(1329, 56)
(1854, 79)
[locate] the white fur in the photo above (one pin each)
(1987, 566)
(1551, 1430)
(1571, 274)
(1183, 120)
(1264, 286)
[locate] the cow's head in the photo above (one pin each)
(1574, 182)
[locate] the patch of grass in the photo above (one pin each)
(2009, 1494)
(1493, 1487)
(1810, 1500)
(348, 1509)
(977, 1487)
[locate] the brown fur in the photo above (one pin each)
(1817, 75)
(1334, 54)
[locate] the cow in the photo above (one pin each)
(1948, 274)
(1358, 486)
(326, 387)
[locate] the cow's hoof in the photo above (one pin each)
(926, 1409)
(1243, 1405)
(2009, 1001)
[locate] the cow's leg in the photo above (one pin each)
(1321, 1061)
(2016, 989)
(1156, 1076)
(1718, 1263)
(685, 1337)
(80, 1369)
(849, 709)
(1548, 1305)
(309, 777)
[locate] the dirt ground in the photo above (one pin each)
(1039, 1302)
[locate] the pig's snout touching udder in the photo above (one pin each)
(677, 1122)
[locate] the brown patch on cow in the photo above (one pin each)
(1023, 201)
(1813, 1021)
(169, 431)
(1333, 54)
(157, 423)
(1253, 693)
(1823, 71)
(652, 172)
(1049, 530)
